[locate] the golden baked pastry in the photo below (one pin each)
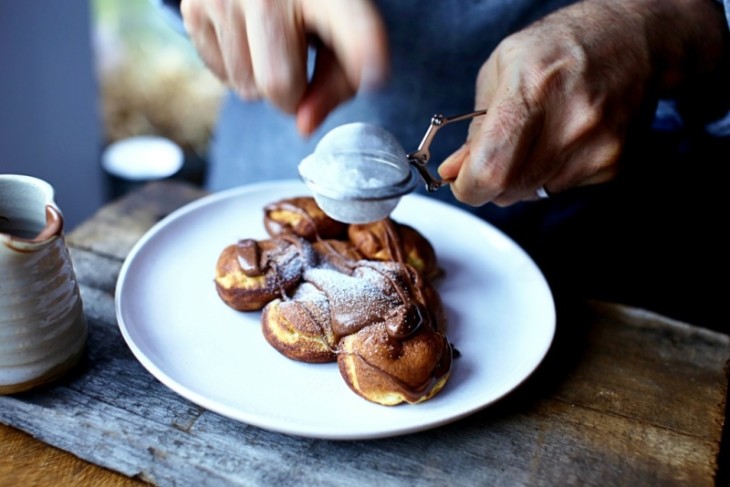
(301, 216)
(388, 240)
(359, 295)
(401, 354)
(390, 371)
(341, 315)
(299, 328)
(251, 273)
(328, 305)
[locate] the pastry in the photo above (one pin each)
(299, 328)
(389, 371)
(301, 216)
(358, 295)
(388, 240)
(251, 273)
(401, 355)
(328, 305)
(379, 320)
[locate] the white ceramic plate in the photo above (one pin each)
(500, 310)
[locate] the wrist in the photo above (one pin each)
(688, 41)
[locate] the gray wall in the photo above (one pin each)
(50, 125)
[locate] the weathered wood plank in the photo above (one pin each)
(115, 228)
(27, 462)
(641, 366)
(94, 270)
(115, 414)
(624, 397)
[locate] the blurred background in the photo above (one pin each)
(80, 76)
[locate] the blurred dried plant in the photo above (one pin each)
(150, 79)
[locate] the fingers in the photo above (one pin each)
(235, 51)
(492, 164)
(553, 121)
(329, 87)
(356, 34)
(202, 32)
(263, 50)
(352, 55)
(449, 169)
(514, 168)
(259, 48)
(278, 51)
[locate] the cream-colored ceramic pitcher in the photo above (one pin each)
(42, 324)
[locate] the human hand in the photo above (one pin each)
(562, 94)
(259, 48)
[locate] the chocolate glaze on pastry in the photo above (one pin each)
(388, 240)
(251, 273)
(337, 254)
(388, 371)
(299, 328)
(301, 216)
(342, 315)
(401, 354)
(363, 300)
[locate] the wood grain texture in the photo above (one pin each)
(25, 461)
(624, 397)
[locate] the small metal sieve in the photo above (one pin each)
(358, 171)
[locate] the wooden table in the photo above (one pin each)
(624, 397)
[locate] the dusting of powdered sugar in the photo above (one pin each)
(293, 259)
(352, 170)
(355, 301)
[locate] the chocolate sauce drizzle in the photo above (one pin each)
(406, 286)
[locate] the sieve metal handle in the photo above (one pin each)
(419, 158)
